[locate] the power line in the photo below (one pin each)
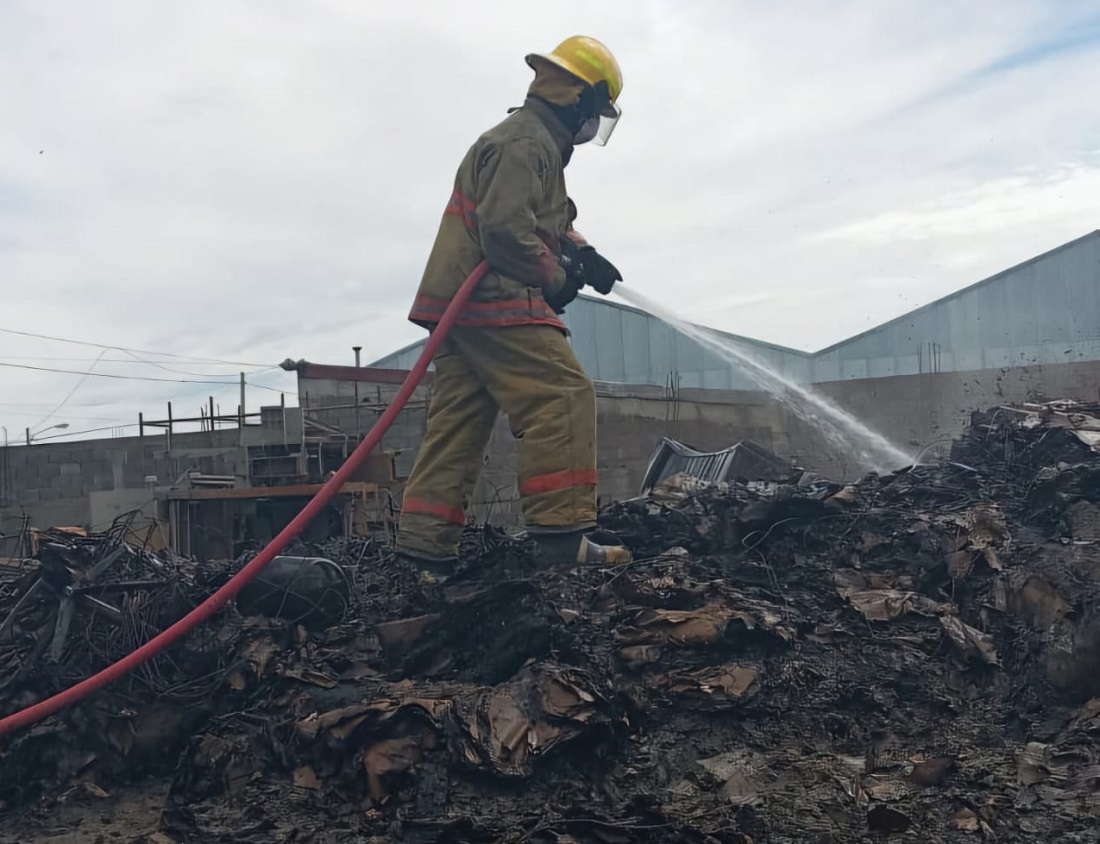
(233, 383)
(125, 349)
(130, 360)
(197, 374)
(272, 389)
(33, 406)
(113, 375)
(80, 360)
(87, 431)
(83, 418)
(69, 394)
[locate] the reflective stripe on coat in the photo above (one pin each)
(508, 205)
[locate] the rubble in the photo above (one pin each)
(911, 657)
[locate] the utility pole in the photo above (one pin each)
(242, 399)
(358, 430)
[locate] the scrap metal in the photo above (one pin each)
(911, 657)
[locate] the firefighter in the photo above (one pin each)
(508, 350)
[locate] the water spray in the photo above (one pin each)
(837, 424)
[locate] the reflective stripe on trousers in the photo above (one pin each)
(531, 373)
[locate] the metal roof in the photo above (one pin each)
(971, 288)
(620, 344)
(1044, 310)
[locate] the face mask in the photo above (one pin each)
(588, 130)
(596, 101)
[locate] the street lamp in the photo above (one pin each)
(58, 426)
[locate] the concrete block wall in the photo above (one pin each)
(917, 411)
(53, 482)
(632, 420)
(332, 401)
(912, 411)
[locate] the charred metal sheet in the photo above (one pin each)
(744, 461)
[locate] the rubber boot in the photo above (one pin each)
(430, 571)
(582, 547)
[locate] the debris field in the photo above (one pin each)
(913, 657)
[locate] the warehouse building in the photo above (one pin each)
(1043, 312)
(1031, 330)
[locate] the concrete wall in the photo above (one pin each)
(630, 424)
(919, 411)
(631, 420)
(914, 412)
(54, 482)
(91, 483)
(332, 401)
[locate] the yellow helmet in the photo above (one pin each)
(592, 63)
(588, 60)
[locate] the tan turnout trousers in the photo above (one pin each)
(531, 374)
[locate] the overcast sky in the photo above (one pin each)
(254, 180)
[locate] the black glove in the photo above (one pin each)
(588, 266)
(599, 272)
(570, 261)
(563, 297)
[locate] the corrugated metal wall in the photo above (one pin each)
(1044, 311)
(618, 344)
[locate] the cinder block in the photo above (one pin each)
(16, 457)
(95, 466)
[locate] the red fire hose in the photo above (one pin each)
(74, 694)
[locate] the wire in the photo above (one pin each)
(185, 372)
(96, 418)
(125, 349)
(113, 375)
(129, 359)
(45, 406)
(69, 395)
(81, 433)
(134, 359)
(272, 389)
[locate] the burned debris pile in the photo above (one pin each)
(915, 656)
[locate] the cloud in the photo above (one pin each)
(1027, 200)
(253, 181)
